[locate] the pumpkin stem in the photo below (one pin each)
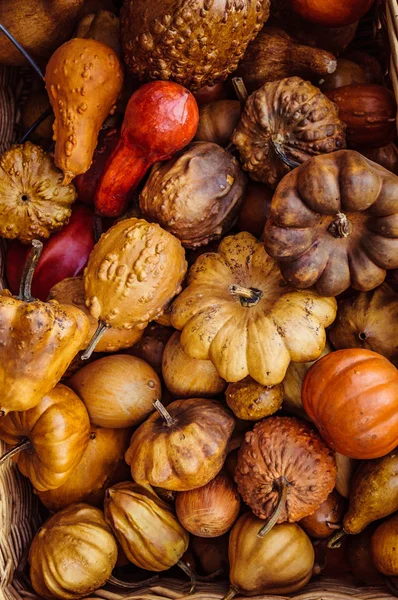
(131, 585)
(191, 574)
(24, 444)
(25, 287)
(99, 332)
(231, 594)
(272, 520)
(240, 90)
(340, 227)
(333, 526)
(247, 296)
(168, 419)
(335, 541)
(277, 141)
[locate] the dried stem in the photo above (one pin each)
(273, 519)
(335, 540)
(166, 416)
(247, 296)
(340, 227)
(25, 287)
(191, 574)
(99, 332)
(24, 444)
(231, 594)
(131, 585)
(240, 90)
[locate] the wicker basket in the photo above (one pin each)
(19, 507)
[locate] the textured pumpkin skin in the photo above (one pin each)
(252, 401)
(133, 272)
(289, 450)
(83, 79)
(193, 44)
(101, 465)
(187, 455)
(131, 509)
(72, 554)
(369, 321)
(33, 200)
(59, 430)
(279, 563)
(303, 234)
(196, 195)
(38, 341)
(359, 383)
(283, 124)
(71, 291)
(259, 340)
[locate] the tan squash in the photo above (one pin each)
(187, 377)
(83, 79)
(252, 401)
(237, 312)
(151, 345)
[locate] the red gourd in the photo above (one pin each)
(65, 254)
(331, 13)
(161, 118)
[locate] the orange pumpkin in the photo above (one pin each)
(352, 397)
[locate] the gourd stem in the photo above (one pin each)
(333, 526)
(340, 227)
(131, 585)
(335, 540)
(240, 90)
(24, 444)
(168, 419)
(272, 520)
(191, 574)
(22, 51)
(99, 332)
(248, 296)
(25, 287)
(231, 594)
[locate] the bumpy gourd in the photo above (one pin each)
(84, 79)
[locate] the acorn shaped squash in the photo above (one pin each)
(194, 44)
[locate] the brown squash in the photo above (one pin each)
(369, 111)
(274, 55)
(217, 121)
(183, 447)
(252, 401)
(237, 312)
(211, 554)
(327, 518)
(279, 563)
(369, 321)
(285, 470)
(195, 195)
(72, 554)
(194, 45)
(34, 201)
(52, 437)
(386, 156)
(151, 345)
(255, 209)
(145, 526)
(103, 26)
(333, 224)
(101, 466)
(283, 124)
(347, 72)
(360, 557)
(118, 391)
(83, 78)
(71, 291)
(187, 377)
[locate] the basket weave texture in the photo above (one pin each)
(19, 507)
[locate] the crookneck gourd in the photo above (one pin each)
(83, 79)
(195, 44)
(182, 447)
(285, 470)
(284, 124)
(72, 554)
(333, 224)
(52, 437)
(133, 272)
(237, 312)
(38, 341)
(196, 195)
(130, 510)
(33, 200)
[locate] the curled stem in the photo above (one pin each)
(25, 287)
(99, 332)
(335, 541)
(166, 416)
(191, 574)
(24, 444)
(131, 585)
(273, 519)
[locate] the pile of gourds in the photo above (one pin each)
(199, 338)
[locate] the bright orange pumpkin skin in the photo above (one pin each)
(352, 397)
